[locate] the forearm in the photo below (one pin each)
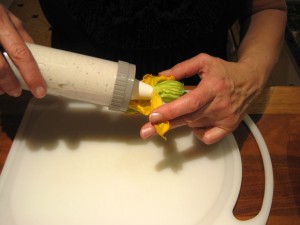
(262, 42)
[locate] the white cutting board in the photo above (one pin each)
(79, 164)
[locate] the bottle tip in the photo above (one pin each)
(141, 91)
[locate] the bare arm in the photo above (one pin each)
(217, 105)
(263, 34)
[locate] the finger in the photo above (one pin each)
(21, 56)
(186, 104)
(147, 131)
(20, 28)
(207, 135)
(188, 68)
(8, 82)
(210, 135)
(192, 122)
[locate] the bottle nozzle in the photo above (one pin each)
(141, 91)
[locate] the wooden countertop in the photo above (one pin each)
(276, 113)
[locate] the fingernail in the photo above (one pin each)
(40, 92)
(15, 93)
(155, 117)
(147, 132)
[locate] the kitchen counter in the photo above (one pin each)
(276, 113)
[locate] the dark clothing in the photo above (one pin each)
(152, 34)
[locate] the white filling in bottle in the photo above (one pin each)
(87, 78)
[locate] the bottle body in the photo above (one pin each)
(82, 77)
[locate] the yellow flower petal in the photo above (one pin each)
(162, 129)
(141, 106)
(145, 106)
(155, 101)
(154, 80)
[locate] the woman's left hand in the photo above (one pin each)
(217, 105)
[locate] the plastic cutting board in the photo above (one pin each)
(76, 164)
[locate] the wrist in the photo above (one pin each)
(258, 68)
(254, 78)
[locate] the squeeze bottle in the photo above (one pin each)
(86, 78)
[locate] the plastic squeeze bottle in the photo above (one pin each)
(87, 78)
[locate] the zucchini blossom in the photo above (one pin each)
(165, 89)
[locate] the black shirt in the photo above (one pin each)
(152, 34)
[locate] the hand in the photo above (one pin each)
(12, 39)
(216, 106)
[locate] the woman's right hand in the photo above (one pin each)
(12, 41)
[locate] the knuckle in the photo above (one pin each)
(224, 105)
(187, 119)
(194, 105)
(223, 85)
(19, 52)
(203, 55)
